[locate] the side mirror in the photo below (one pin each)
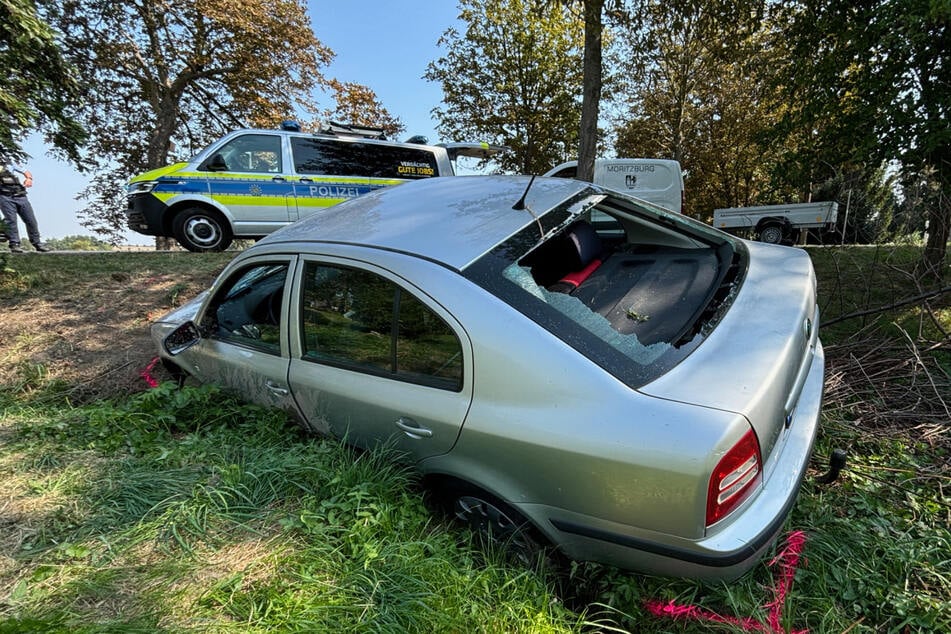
(182, 338)
(217, 163)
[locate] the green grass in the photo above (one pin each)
(180, 510)
(26, 276)
(190, 511)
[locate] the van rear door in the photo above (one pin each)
(659, 181)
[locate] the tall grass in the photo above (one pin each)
(187, 510)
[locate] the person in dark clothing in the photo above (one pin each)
(14, 203)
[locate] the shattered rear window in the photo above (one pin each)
(634, 307)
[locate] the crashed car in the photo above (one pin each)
(641, 390)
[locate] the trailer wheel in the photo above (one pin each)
(771, 234)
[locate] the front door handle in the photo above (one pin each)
(276, 390)
(412, 429)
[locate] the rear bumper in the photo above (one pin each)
(736, 544)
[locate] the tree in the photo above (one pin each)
(512, 79)
(591, 88)
(880, 71)
(697, 83)
(357, 104)
(163, 78)
(37, 88)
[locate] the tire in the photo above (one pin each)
(200, 230)
(495, 523)
(771, 234)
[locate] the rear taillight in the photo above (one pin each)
(734, 478)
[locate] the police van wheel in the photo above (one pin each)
(201, 230)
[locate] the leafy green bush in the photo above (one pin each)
(78, 243)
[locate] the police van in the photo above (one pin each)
(659, 181)
(252, 182)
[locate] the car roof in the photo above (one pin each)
(452, 220)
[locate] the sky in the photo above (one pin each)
(383, 44)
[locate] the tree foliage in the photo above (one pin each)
(78, 243)
(879, 70)
(513, 78)
(358, 104)
(37, 87)
(163, 78)
(696, 82)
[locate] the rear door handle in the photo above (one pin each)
(275, 389)
(412, 429)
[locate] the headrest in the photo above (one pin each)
(585, 240)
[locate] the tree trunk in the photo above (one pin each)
(934, 258)
(166, 119)
(591, 89)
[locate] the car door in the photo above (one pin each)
(245, 342)
(247, 177)
(376, 360)
(327, 172)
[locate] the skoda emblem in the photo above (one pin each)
(807, 328)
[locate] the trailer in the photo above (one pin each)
(776, 223)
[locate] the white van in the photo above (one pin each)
(659, 181)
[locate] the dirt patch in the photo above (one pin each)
(95, 337)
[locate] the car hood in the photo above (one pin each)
(151, 175)
(185, 312)
(756, 360)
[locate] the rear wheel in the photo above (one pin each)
(201, 230)
(771, 234)
(494, 522)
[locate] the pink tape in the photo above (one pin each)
(146, 374)
(788, 560)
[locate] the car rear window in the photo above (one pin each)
(354, 158)
(636, 307)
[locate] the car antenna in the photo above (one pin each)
(522, 204)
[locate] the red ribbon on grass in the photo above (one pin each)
(788, 561)
(146, 374)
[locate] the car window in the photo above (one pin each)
(350, 158)
(253, 153)
(635, 301)
(568, 172)
(362, 321)
(247, 309)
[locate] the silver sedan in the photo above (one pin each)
(561, 362)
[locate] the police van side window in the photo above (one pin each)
(400, 162)
(248, 153)
(353, 158)
(325, 157)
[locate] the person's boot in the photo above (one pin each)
(15, 247)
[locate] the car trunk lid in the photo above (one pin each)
(755, 361)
